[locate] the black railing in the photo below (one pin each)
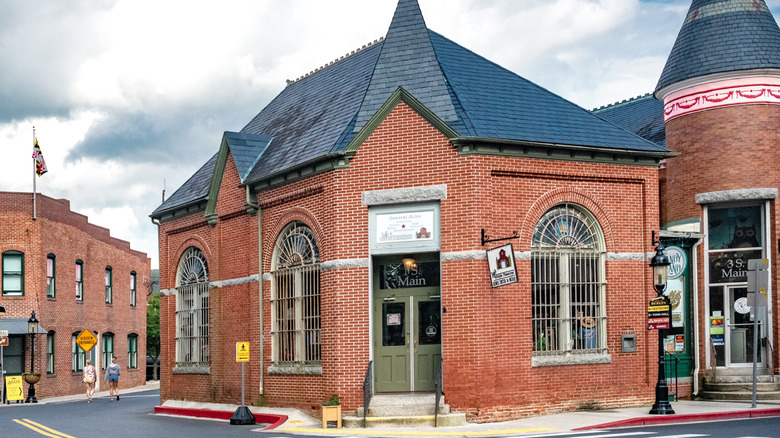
(672, 365)
(437, 382)
(368, 390)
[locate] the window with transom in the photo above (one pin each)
(567, 281)
(295, 307)
(192, 310)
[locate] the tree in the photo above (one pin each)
(153, 331)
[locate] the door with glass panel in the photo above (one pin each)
(407, 325)
(732, 327)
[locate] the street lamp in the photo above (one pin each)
(660, 264)
(32, 329)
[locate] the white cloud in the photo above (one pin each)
(127, 94)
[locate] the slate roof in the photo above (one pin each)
(318, 115)
(721, 36)
(643, 115)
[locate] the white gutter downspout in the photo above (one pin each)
(696, 316)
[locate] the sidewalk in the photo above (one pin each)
(296, 421)
(97, 395)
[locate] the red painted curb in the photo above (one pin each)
(686, 418)
(274, 421)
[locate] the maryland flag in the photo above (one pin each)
(40, 165)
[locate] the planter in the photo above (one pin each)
(331, 413)
(31, 378)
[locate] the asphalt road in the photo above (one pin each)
(131, 416)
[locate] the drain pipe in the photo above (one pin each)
(694, 253)
(256, 206)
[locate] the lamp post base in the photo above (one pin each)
(242, 416)
(662, 408)
(31, 395)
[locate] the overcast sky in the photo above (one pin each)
(132, 96)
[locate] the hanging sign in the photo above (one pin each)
(501, 263)
(659, 313)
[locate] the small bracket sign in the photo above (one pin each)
(86, 340)
(242, 351)
(659, 313)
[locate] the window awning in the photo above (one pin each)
(17, 326)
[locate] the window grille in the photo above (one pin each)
(567, 281)
(296, 297)
(192, 310)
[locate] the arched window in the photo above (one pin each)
(79, 280)
(109, 285)
(51, 274)
(295, 299)
(108, 349)
(567, 280)
(50, 352)
(192, 310)
(13, 273)
(132, 351)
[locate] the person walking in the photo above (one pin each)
(89, 380)
(112, 377)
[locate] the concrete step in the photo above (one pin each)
(761, 378)
(404, 405)
(741, 386)
(739, 395)
(444, 420)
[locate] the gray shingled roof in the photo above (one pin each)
(194, 189)
(318, 115)
(644, 116)
(720, 36)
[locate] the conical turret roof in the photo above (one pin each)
(720, 36)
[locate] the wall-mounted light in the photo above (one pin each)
(409, 264)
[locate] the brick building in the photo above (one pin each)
(354, 231)
(74, 276)
(717, 104)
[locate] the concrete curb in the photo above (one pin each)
(272, 419)
(686, 418)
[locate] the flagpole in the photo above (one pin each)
(35, 189)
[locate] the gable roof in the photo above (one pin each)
(720, 36)
(643, 115)
(316, 117)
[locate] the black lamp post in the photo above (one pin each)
(660, 264)
(32, 329)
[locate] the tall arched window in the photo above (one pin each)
(567, 280)
(192, 310)
(295, 307)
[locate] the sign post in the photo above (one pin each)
(242, 414)
(3, 343)
(758, 281)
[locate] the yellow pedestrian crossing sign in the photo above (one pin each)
(242, 351)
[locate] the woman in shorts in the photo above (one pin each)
(112, 377)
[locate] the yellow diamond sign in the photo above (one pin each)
(86, 340)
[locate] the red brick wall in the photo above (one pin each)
(727, 148)
(70, 237)
(486, 332)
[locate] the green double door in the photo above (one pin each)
(407, 326)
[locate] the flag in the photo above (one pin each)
(40, 165)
